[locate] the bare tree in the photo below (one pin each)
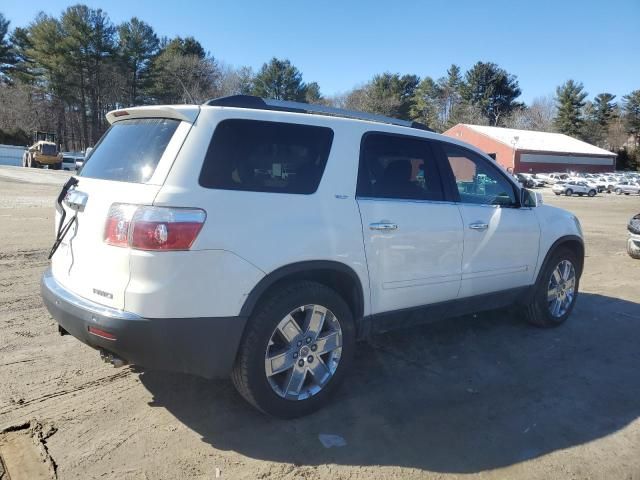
(537, 116)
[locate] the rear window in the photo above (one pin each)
(261, 156)
(130, 150)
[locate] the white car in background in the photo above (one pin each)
(557, 177)
(627, 187)
(534, 180)
(573, 186)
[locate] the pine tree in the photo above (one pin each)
(450, 93)
(313, 95)
(427, 103)
(137, 45)
(570, 98)
(632, 114)
(7, 58)
(492, 90)
(280, 80)
(604, 108)
(390, 94)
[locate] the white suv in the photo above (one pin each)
(260, 239)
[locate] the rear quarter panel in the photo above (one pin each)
(271, 230)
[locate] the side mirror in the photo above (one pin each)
(530, 199)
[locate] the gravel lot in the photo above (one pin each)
(486, 396)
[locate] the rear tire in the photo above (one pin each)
(618, 191)
(264, 339)
(543, 312)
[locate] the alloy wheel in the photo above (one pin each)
(561, 289)
(303, 352)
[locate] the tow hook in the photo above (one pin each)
(108, 357)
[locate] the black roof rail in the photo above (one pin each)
(250, 101)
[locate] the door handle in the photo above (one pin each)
(478, 226)
(385, 226)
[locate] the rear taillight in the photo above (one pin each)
(153, 228)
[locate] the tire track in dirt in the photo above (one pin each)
(60, 393)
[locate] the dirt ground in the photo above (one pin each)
(484, 396)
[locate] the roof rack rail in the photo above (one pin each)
(250, 101)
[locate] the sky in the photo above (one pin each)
(342, 44)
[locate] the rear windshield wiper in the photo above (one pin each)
(63, 228)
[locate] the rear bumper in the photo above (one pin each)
(204, 346)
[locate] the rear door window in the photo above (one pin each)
(263, 156)
(130, 150)
(399, 167)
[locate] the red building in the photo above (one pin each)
(525, 151)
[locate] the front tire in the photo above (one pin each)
(556, 290)
(633, 250)
(569, 192)
(592, 193)
(618, 191)
(297, 346)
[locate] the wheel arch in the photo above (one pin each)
(573, 243)
(338, 276)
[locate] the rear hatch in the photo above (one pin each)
(128, 166)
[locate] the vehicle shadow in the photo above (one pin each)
(462, 396)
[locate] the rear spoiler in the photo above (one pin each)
(185, 113)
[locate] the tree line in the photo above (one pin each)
(63, 74)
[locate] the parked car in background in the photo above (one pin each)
(590, 182)
(557, 177)
(627, 187)
(633, 242)
(532, 180)
(572, 186)
(599, 183)
(608, 181)
(68, 162)
(200, 242)
(524, 180)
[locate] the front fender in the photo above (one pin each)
(558, 227)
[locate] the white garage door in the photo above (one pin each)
(549, 158)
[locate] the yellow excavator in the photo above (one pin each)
(44, 151)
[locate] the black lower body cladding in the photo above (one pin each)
(205, 346)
